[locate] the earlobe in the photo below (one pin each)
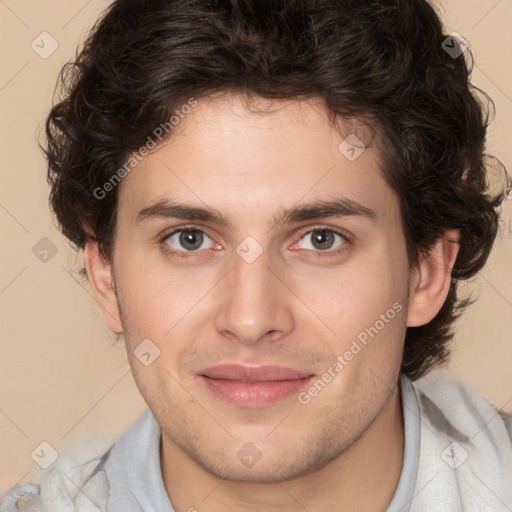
(99, 271)
(430, 282)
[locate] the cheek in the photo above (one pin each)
(169, 310)
(355, 296)
(363, 305)
(152, 297)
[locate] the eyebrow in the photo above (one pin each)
(341, 207)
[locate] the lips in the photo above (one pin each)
(249, 374)
(247, 386)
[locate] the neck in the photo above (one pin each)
(364, 477)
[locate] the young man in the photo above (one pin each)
(276, 201)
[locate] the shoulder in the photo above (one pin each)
(62, 487)
(83, 476)
(441, 394)
(465, 447)
(507, 420)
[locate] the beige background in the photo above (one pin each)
(62, 377)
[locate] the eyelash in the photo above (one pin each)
(320, 254)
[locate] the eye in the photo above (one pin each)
(324, 239)
(185, 240)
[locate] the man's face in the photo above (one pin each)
(319, 287)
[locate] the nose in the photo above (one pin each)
(254, 302)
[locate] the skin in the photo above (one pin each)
(290, 307)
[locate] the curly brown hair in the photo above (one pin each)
(382, 60)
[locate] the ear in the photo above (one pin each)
(99, 271)
(430, 281)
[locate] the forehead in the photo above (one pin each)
(258, 158)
